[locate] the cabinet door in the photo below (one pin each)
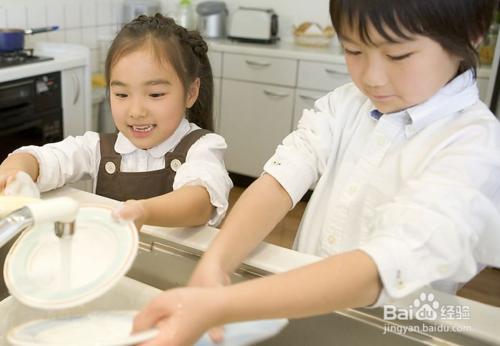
(254, 120)
(322, 76)
(73, 90)
(304, 99)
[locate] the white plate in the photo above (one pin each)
(110, 328)
(37, 270)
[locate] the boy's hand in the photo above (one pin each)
(132, 210)
(18, 183)
(208, 274)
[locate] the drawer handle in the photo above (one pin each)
(307, 98)
(273, 94)
(257, 63)
(331, 71)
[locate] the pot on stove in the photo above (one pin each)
(13, 39)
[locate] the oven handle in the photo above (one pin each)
(76, 82)
(24, 125)
(15, 85)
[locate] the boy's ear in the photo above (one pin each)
(193, 92)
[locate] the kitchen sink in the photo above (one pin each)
(161, 264)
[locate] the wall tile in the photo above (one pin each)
(74, 36)
(89, 13)
(3, 17)
(72, 15)
(104, 13)
(16, 16)
(55, 13)
(56, 36)
(89, 37)
(37, 16)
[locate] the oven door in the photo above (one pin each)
(45, 128)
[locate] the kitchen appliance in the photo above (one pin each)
(212, 17)
(20, 57)
(30, 112)
(13, 39)
(252, 24)
(134, 8)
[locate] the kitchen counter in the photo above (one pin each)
(66, 56)
(288, 49)
(483, 322)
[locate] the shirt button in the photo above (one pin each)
(331, 239)
(381, 141)
(443, 269)
(352, 189)
(110, 167)
(276, 163)
(175, 164)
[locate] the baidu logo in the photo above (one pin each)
(426, 307)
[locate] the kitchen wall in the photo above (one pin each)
(80, 21)
(290, 12)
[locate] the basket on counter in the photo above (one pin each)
(311, 34)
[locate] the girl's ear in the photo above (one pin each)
(193, 92)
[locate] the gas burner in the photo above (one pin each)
(20, 57)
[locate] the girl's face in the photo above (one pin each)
(147, 98)
(399, 75)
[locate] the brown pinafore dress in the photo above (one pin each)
(113, 183)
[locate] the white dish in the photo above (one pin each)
(47, 272)
(109, 328)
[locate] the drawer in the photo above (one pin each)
(322, 76)
(216, 63)
(260, 69)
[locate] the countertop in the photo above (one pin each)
(66, 56)
(483, 322)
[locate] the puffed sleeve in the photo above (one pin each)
(204, 166)
(66, 161)
(445, 221)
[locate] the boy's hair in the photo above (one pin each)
(457, 25)
(185, 50)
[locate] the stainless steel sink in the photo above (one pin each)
(164, 265)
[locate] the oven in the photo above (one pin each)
(30, 112)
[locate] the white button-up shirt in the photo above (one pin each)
(78, 157)
(417, 190)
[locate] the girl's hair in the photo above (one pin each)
(457, 25)
(185, 50)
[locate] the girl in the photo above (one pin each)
(404, 163)
(161, 91)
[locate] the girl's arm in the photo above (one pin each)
(182, 315)
(185, 207)
(18, 162)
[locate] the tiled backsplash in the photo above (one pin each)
(79, 21)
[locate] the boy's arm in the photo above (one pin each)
(263, 204)
(18, 162)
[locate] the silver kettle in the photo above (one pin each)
(212, 17)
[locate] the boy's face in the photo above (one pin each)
(399, 75)
(147, 98)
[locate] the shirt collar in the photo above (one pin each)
(458, 94)
(124, 146)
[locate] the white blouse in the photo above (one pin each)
(78, 157)
(417, 190)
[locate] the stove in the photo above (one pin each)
(20, 57)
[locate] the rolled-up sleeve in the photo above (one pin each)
(443, 223)
(205, 167)
(66, 161)
(302, 157)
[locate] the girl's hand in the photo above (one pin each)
(6, 177)
(182, 315)
(132, 210)
(208, 274)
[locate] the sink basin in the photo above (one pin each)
(161, 264)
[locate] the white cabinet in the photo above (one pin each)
(73, 96)
(322, 76)
(216, 64)
(254, 120)
(304, 99)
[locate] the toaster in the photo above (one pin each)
(252, 24)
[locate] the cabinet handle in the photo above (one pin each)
(273, 94)
(332, 71)
(76, 82)
(257, 63)
(307, 98)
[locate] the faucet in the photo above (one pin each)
(61, 211)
